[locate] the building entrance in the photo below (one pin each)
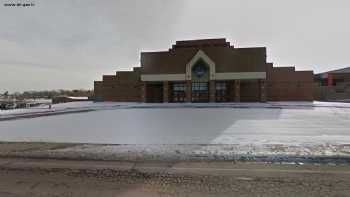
(200, 92)
(222, 93)
(178, 92)
(200, 82)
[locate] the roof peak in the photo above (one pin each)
(202, 43)
(205, 39)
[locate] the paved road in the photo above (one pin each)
(20, 177)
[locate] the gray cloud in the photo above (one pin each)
(71, 43)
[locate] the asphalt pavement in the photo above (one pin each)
(43, 177)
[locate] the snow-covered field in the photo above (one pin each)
(288, 123)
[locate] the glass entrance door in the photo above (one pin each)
(200, 92)
(221, 91)
(200, 82)
(178, 92)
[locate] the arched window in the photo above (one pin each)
(200, 71)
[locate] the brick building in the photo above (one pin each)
(333, 85)
(210, 70)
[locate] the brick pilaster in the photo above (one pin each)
(189, 91)
(165, 91)
(212, 91)
(231, 90)
(262, 90)
(143, 92)
(237, 91)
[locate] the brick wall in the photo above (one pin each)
(250, 91)
(124, 86)
(286, 84)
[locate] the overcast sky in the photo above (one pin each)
(67, 44)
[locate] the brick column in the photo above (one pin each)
(262, 90)
(189, 91)
(237, 91)
(329, 80)
(165, 91)
(143, 92)
(231, 90)
(212, 91)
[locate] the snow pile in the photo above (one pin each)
(267, 153)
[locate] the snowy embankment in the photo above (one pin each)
(93, 106)
(276, 131)
(326, 153)
(45, 109)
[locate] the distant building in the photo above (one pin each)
(66, 99)
(210, 70)
(334, 85)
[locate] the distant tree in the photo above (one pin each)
(52, 93)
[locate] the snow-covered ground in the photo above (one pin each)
(288, 123)
(90, 105)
